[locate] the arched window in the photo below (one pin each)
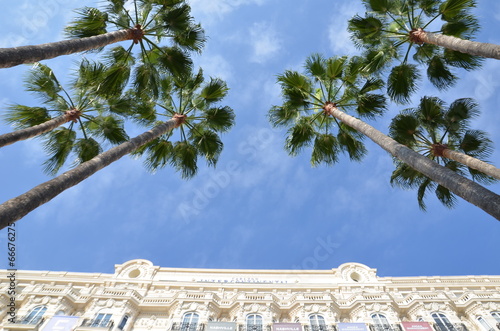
(380, 322)
(102, 320)
(189, 322)
(35, 315)
(123, 322)
(442, 322)
(254, 322)
(484, 324)
(317, 323)
(496, 315)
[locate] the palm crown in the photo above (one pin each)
(196, 102)
(97, 120)
(149, 22)
(328, 82)
(431, 128)
(389, 31)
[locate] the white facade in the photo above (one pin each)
(141, 297)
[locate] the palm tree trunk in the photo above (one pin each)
(472, 162)
(16, 208)
(461, 186)
(23, 134)
(10, 57)
(457, 44)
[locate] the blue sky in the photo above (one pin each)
(260, 208)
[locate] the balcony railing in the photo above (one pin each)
(188, 327)
(242, 327)
(450, 327)
(385, 327)
(25, 323)
(93, 323)
(320, 328)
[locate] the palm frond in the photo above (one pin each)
(477, 144)
(58, 145)
(219, 119)
(24, 117)
(402, 82)
(184, 157)
(42, 81)
(158, 154)
(370, 105)
(325, 150)
(207, 143)
(366, 30)
(315, 66)
(403, 128)
(299, 136)
(460, 113)
(447, 198)
(214, 91)
(90, 22)
(439, 74)
(351, 145)
(86, 149)
(449, 9)
(109, 128)
(462, 60)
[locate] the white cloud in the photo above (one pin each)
(265, 42)
(216, 9)
(216, 66)
(338, 35)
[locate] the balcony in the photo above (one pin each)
(95, 325)
(254, 327)
(188, 327)
(320, 328)
(449, 327)
(385, 327)
(23, 324)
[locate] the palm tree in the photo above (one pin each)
(389, 25)
(143, 22)
(96, 119)
(444, 136)
(312, 104)
(191, 105)
(327, 81)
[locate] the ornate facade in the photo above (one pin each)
(142, 297)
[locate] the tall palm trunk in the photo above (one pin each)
(10, 57)
(461, 186)
(472, 162)
(457, 44)
(12, 137)
(14, 209)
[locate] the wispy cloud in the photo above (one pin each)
(265, 42)
(340, 42)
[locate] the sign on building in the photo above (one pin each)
(351, 326)
(221, 326)
(287, 327)
(417, 326)
(61, 323)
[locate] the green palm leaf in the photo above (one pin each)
(351, 144)
(207, 143)
(159, 153)
(214, 91)
(451, 8)
(439, 74)
(58, 145)
(91, 22)
(325, 149)
(402, 82)
(183, 159)
(403, 128)
(24, 117)
(86, 149)
(109, 128)
(462, 60)
(300, 136)
(366, 29)
(219, 118)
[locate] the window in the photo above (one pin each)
(189, 322)
(254, 322)
(35, 315)
(496, 315)
(442, 322)
(380, 322)
(484, 324)
(102, 320)
(123, 322)
(317, 323)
